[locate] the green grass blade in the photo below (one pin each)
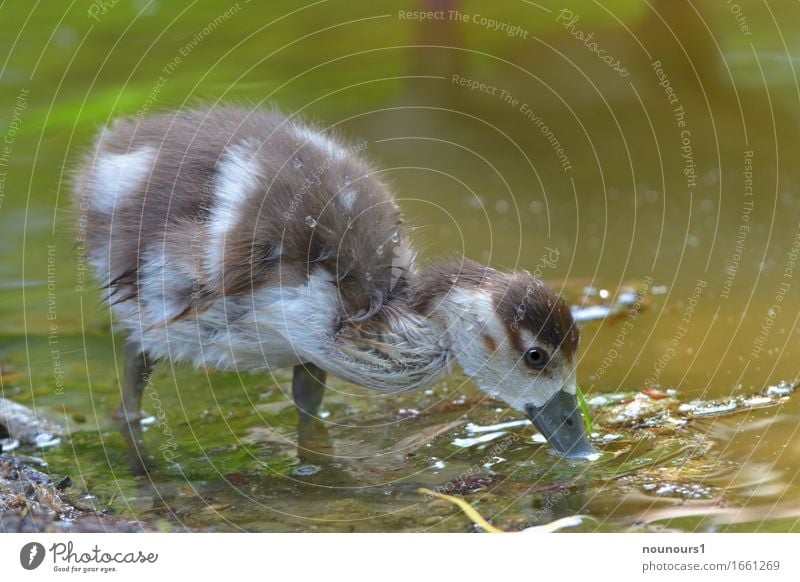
(587, 418)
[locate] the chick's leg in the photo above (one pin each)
(308, 386)
(138, 368)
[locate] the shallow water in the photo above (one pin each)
(641, 211)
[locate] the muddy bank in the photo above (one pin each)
(33, 501)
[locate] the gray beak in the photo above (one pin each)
(561, 423)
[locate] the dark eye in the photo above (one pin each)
(536, 358)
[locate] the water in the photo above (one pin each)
(695, 243)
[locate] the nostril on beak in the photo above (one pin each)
(569, 421)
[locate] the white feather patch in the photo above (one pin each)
(319, 140)
(116, 176)
(347, 199)
(238, 177)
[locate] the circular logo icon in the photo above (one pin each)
(31, 555)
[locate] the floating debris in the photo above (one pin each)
(772, 396)
(591, 312)
(494, 461)
(682, 490)
(473, 428)
(480, 521)
(655, 394)
(657, 408)
(468, 510)
(607, 399)
(20, 423)
(9, 444)
(554, 526)
(781, 389)
(407, 412)
(472, 484)
(639, 410)
(758, 401)
(46, 440)
(626, 301)
(700, 409)
(468, 442)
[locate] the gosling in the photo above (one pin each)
(241, 239)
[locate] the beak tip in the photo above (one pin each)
(583, 450)
(561, 423)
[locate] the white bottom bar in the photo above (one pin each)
(387, 557)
